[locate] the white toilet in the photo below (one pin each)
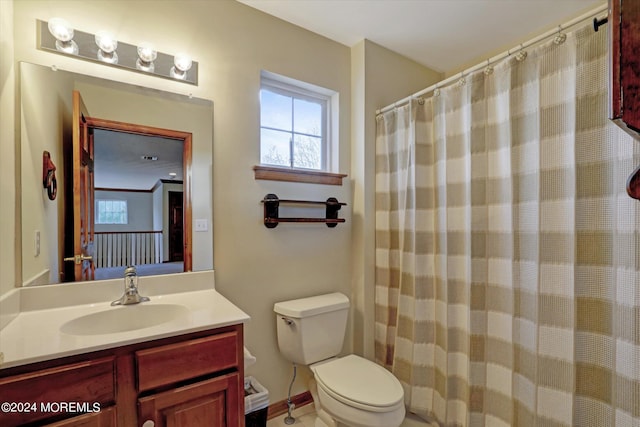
(349, 390)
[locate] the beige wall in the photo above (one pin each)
(255, 266)
(45, 117)
(7, 150)
(375, 84)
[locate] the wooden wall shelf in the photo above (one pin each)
(276, 173)
(271, 204)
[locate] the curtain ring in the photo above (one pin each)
(560, 37)
(462, 81)
(488, 70)
(522, 54)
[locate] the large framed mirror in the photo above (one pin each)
(148, 177)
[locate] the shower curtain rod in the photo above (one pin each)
(497, 58)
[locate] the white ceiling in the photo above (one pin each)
(444, 35)
(119, 164)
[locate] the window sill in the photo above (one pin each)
(274, 173)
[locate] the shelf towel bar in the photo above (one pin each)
(272, 203)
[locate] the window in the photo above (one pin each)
(111, 212)
(294, 124)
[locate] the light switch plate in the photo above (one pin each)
(202, 225)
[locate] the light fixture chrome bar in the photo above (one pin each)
(127, 55)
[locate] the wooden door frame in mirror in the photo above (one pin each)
(186, 138)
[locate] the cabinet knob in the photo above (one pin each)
(148, 423)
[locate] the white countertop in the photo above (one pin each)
(34, 335)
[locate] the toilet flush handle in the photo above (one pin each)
(288, 321)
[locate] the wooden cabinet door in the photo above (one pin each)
(210, 403)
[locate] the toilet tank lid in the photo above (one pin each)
(311, 306)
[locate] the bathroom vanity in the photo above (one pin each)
(175, 381)
(78, 366)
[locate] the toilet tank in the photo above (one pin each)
(312, 329)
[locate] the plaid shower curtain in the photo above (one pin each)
(507, 251)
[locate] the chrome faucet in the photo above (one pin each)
(131, 295)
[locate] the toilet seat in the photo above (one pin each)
(359, 383)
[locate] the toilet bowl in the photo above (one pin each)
(347, 390)
(359, 393)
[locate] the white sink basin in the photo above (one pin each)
(124, 318)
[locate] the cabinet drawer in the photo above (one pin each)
(85, 383)
(105, 418)
(181, 361)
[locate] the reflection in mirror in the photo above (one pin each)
(134, 175)
(91, 252)
(134, 168)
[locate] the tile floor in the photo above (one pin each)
(305, 417)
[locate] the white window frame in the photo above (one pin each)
(97, 215)
(308, 92)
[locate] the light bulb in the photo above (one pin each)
(146, 55)
(182, 63)
(146, 52)
(107, 45)
(60, 29)
(106, 42)
(63, 33)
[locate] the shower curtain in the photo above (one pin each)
(507, 251)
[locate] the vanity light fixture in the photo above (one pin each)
(60, 37)
(181, 64)
(107, 45)
(63, 33)
(146, 55)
